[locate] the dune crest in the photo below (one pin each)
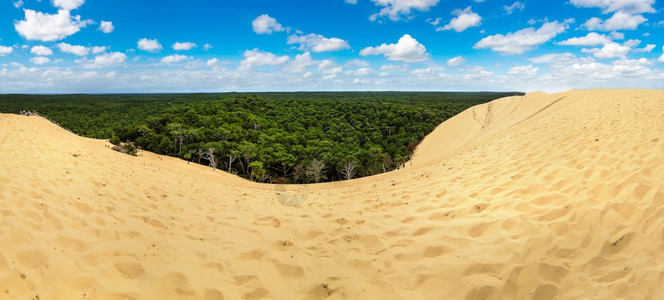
(480, 123)
(545, 196)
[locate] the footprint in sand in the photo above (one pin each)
(130, 270)
(33, 259)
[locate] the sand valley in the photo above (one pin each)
(543, 196)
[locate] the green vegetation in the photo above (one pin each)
(126, 148)
(267, 137)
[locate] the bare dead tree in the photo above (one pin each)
(200, 155)
(178, 139)
(316, 170)
(299, 172)
(386, 161)
(209, 156)
(231, 159)
(349, 169)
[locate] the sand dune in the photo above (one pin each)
(546, 196)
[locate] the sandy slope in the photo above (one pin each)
(543, 196)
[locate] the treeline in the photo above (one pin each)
(95, 116)
(266, 137)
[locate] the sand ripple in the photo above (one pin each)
(546, 196)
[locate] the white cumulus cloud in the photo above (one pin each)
(560, 59)
(41, 50)
(183, 46)
(407, 49)
(171, 59)
(255, 58)
(648, 48)
(73, 49)
(301, 63)
(394, 9)
(211, 62)
(361, 72)
(609, 50)
(106, 27)
(465, 19)
(395, 68)
(619, 21)
(4, 50)
(39, 60)
(528, 70)
(591, 39)
(49, 27)
(108, 59)
(318, 43)
(424, 71)
(149, 45)
(477, 73)
(509, 9)
(264, 24)
(357, 63)
(594, 23)
(608, 6)
(661, 58)
(523, 40)
(68, 4)
(328, 66)
(98, 49)
(456, 61)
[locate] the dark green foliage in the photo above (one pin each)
(126, 148)
(89, 115)
(264, 136)
(115, 140)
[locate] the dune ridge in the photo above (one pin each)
(543, 196)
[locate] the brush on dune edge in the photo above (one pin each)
(546, 196)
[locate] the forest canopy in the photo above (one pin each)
(298, 137)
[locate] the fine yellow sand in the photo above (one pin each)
(543, 196)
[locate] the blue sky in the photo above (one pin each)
(73, 46)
